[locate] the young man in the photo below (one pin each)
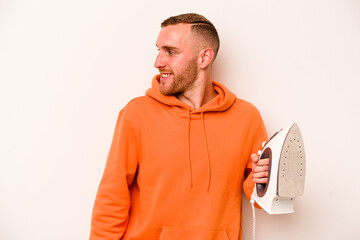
(181, 154)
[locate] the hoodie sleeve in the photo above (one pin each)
(112, 204)
(259, 137)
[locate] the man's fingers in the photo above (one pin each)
(260, 169)
(263, 162)
(260, 180)
(260, 175)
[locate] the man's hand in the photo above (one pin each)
(260, 169)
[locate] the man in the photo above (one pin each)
(181, 154)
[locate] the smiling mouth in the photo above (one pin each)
(164, 76)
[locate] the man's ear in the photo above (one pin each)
(206, 57)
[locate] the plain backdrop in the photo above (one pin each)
(68, 67)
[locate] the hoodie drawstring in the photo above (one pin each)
(206, 148)
(188, 142)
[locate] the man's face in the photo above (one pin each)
(177, 58)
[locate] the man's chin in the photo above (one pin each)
(165, 91)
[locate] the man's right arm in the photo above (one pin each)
(112, 204)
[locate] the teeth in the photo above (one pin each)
(165, 75)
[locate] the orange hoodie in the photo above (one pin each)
(177, 173)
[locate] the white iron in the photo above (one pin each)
(286, 152)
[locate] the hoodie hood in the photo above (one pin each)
(221, 102)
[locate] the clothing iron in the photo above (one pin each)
(286, 177)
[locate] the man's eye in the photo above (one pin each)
(171, 52)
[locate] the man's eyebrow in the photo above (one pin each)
(168, 47)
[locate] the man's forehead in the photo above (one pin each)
(180, 27)
(178, 32)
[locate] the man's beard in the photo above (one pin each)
(183, 81)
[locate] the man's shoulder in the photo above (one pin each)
(246, 111)
(138, 105)
(138, 102)
(245, 106)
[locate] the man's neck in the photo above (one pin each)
(199, 94)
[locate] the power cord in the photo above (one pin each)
(252, 201)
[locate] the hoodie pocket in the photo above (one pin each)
(172, 233)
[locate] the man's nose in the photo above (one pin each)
(159, 61)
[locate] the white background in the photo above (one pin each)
(68, 67)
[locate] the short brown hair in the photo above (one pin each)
(200, 25)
